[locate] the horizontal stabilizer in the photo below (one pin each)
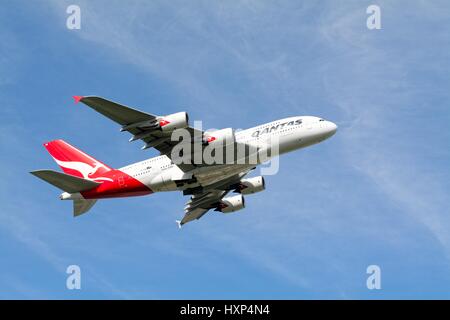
(64, 181)
(81, 206)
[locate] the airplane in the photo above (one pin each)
(86, 180)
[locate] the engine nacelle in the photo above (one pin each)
(251, 185)
(231, 204)
(223, 137)
(179, 120)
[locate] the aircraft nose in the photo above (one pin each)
(333, 127)
(330, 129)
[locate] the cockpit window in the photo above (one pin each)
(321, 120)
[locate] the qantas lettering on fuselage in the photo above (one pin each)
(277, 127)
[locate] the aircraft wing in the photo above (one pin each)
(143, 126)
(121, 114)
(200, 203)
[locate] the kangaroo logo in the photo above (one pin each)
(84, 169)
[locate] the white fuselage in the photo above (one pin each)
(160, 174)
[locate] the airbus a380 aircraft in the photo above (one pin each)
(85, 179)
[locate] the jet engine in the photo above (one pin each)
(251, 185)
(223, 136)
(231, 204)
(179, 120)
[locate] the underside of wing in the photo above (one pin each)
(116, 112)
(155, 131)
(199, 204)
(164, 133)
(143, 126)
(214, 198)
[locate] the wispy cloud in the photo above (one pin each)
(380, 83)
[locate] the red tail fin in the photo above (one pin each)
(75, 162)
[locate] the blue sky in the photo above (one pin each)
(375, 193)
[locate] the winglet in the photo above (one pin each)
(77, 98)
(179, 223)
